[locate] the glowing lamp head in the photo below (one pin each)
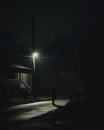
(35, 55)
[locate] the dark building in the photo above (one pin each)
(17, 81)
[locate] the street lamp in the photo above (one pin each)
(35, 55)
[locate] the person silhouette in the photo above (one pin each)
(53, 95)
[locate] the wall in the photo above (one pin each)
(27, 78)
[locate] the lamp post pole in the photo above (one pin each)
(33, 91)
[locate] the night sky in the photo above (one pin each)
(52, 21)
(65, 31)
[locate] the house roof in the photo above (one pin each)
(20, 68)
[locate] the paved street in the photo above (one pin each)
(20, 113)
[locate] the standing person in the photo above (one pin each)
(53, 95)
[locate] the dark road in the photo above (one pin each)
(18, 114)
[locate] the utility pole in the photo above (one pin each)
(33, 34)
(33, 92)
